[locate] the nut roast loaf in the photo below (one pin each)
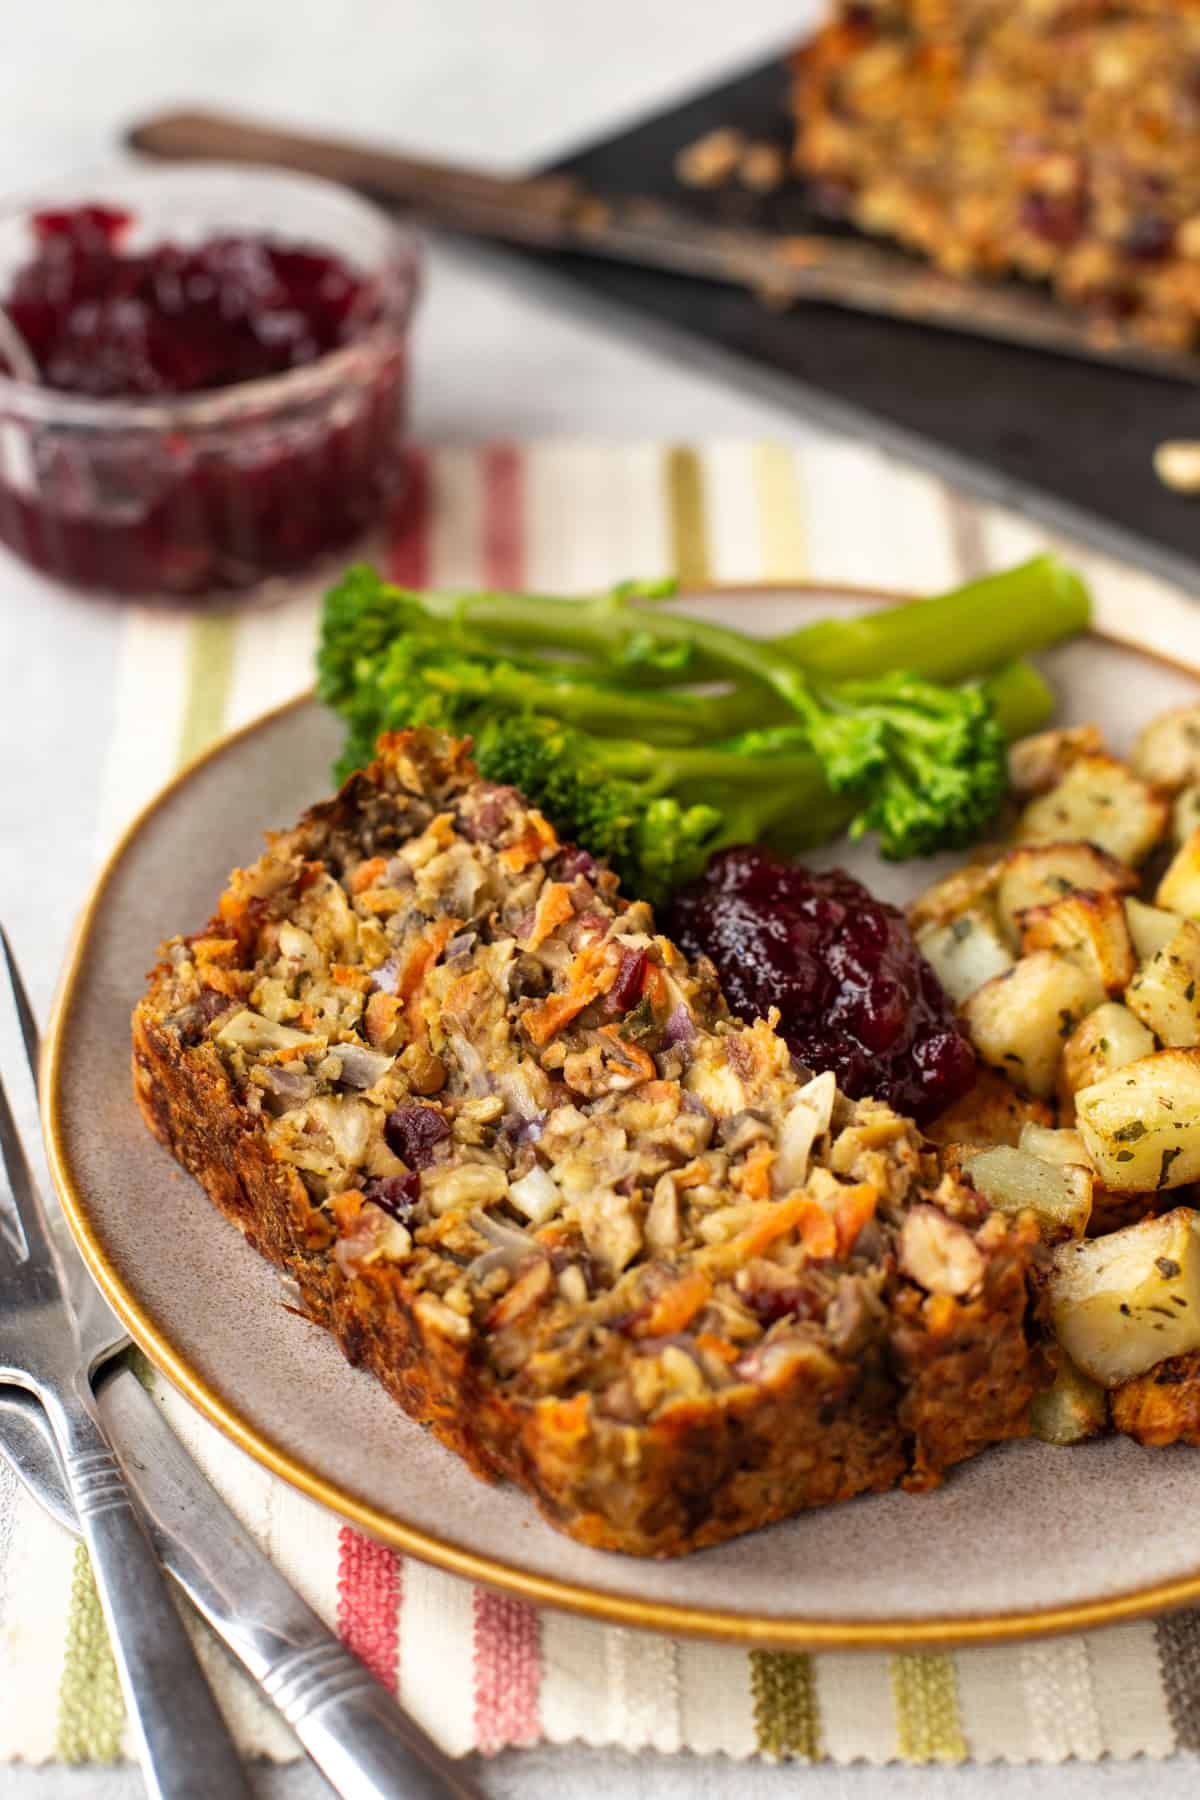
(601, 1237)
(1057, 139)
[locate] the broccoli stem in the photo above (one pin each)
(952, 636)
(947, 638)
(796, 809)
(1021, 699)
(598, 705)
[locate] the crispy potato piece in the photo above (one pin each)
(1020, 1021)
(1102, 802)
(971, 888)
(1123, 1303)
(1185, 814)
(1074, 1409)
(1165, 992)
(1089, 929)
(1059, 1195)
(1113, 1212)
(1167, 751)
(992, 1112)
(1179, 889)
(1037, 875)
(1141, 1125)
(1162, 1406)
(1149, 927)
(1052, 1144)
(964, 953)
(1038, 763)
(1105, 1041)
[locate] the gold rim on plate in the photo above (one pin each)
(601, 1605)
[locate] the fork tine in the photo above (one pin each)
(12, 1153)
(30, 1217)
(29, 1030)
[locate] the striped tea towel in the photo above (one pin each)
(479, 1669)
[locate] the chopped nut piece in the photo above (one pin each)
(939, 1255)
(712, 160)
(1177, 465)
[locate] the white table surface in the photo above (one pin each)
(502, 81)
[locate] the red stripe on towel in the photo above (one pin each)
(368, 1613)
(508, 1671)
(503, 517)
(407, 554)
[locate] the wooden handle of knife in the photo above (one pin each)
(413, 181)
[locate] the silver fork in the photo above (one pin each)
(361, 1739)
(185, 1749)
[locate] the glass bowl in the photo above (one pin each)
(205, 493)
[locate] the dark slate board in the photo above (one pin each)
(1067, 441)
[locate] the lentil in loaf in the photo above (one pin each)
(604, 1239)
(1058, 139)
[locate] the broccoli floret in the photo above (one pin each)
(927, 763)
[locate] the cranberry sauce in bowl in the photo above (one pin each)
(854, 993)
(223, 359)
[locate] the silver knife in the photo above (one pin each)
(367, 1747)
(364, 1743)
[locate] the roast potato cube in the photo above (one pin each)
(965, 953)
(1037, 875)
(1105, 1041)
(991, 1112)
(1075, 1408)
(1038, 763)
(1149, 927)
(970, 889)
(1053, 1146)
(1185, 813)
(1020, 1021)
(1141, 1126)
(1122, 1303)
(1090, 929)
(1167, 751)
(1059, 1195)
(1165, 992)
(1102, 802)
(1161, 1406)
(1179, 889)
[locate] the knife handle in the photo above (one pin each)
(366, 1748)
(186, 1750)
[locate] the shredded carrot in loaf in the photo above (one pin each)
(677, 1305)
(536, 841)
(715, 1346)
(367, 874)
(941, 1314)
(854, 1208)
(756, 1173)
(639, 1060)
(553, 909)
(346, 1206)
(525, 1293)
(592, 974)
(800, 1212)
(420, 960)
(345, 976)
(568, 1419)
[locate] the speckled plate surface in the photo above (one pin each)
(1024, 1539)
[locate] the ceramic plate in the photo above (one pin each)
(1025, 1538)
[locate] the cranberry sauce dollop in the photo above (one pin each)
(114, 323)
(853, 991)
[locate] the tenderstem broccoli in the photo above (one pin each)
(653, 776)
